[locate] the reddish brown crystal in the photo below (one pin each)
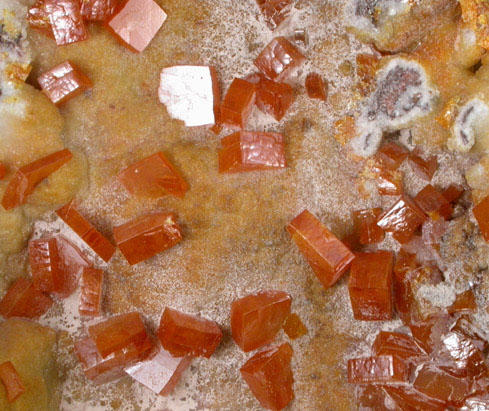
(274, 98)
(433, 203)
(118, 333)
(370, 286)
(385, 369)
(424, 169)
(403, 219)
(481, 214)
(251, 151)
(146, 236)
(427, 334)
(97, 10)
(328, 257)
(64, 82)
(161, 372)
(101, 370)
(89, 234)
(279, 59)
(3, 171)
(294, 327)
(91, 292)
(367, 67)
(23, 300)
(29, 176)
(465, 302)
(274, 11)
(269, 375)
(465, 325)
(392, 343)
(135, 23)
(390, 183)
(257, 318)
(315, 87)
(366, 227)
(390, 156)
(409, 399)
(11, 381)
(153, 176)
(453, 193)
(56, 265)
(439, 385)
(371, 398)
(461, 357)
(38, 19)
(238, 103)
(66, 21)
(187, 335)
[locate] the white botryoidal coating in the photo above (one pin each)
(189, 94)
(471, 122)
(402, 95)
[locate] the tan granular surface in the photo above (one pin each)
(233, 226)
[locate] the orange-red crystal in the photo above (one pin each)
(384, 369)
(328, 257)
(257, 318)
(315, 87)
(481, 214)
(11, 380)
(238, 103)
(366, 228)
(23, 300)
(187, 335)
(66, 21)
(91, 292)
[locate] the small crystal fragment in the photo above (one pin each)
(274, 98)
(278, 59)
(328, 257)
(146, 236)
(403, 219)
(97, 10)
(391, 156)
(366, 226)
(251, 151)
(89, 234)
(481, 214)
(23, 300)
(400, 345)
(384, 369)
(257, 318)
(29, 176)
(424, 169)
(91, 292)
(191, 94)
(153, 176)
(301, 37)
(66, 21)
(269, 375)
(407, 398)
(38, 19)
(64, 82)
(11, 381)
(432, 202)
(370, 286)
(437, 384)
(274, 11)
(187, 335)
(161, 372)
(238, 103)
(315, 87)
(390, 183)
(135, 23)
(3, 171)
(294, 327)
(118, 332)
(101, 370)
